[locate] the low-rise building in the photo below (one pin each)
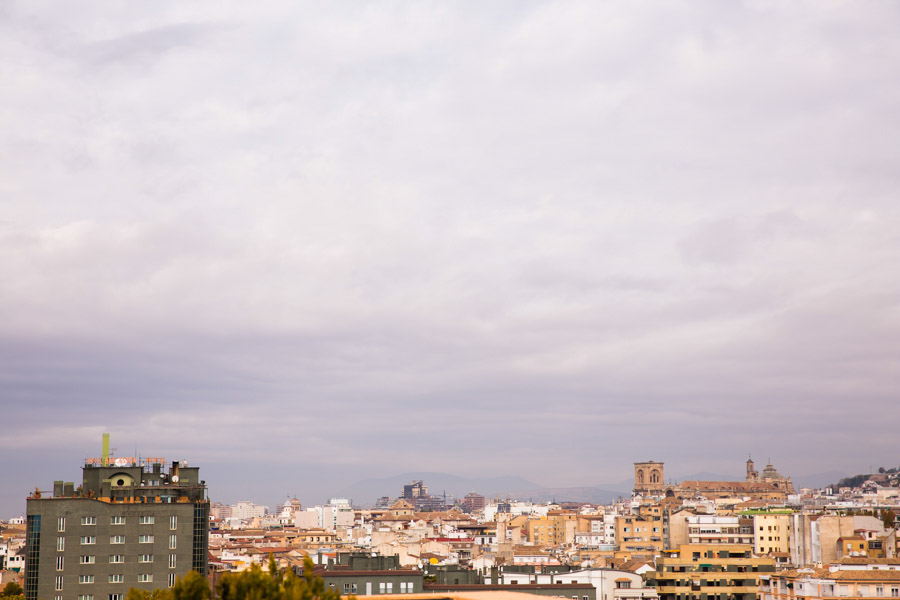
(711, 572)
(363, 575)
(828, 583)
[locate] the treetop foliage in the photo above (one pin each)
(252, 584)
(12, 589)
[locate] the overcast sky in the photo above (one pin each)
(302, 244)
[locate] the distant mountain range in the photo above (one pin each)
(587, 495)
(366, 492)
(818, 480)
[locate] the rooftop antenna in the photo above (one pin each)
(105, 455)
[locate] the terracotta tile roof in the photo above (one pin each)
(865, 560)
(865, 575)
(746, 486)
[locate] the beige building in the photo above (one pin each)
(768, 485)
(678, 528)
(557, 527)
(716, 529)
(827, 531)
(711, 572)
(830, 583)
(772, 533)
(641, 534)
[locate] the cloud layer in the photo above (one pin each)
(543, 239)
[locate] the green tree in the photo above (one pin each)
(192, 586)
(157, 594)
(888, 517)
(254, 584)
(12, 589)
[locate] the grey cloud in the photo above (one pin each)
(443, 233)
(142, 48)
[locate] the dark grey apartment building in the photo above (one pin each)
(131, 523)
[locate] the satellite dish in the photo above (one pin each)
(174, 478)
(121, 462)
(184, 463)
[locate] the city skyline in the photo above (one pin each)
(319, 244)
(365, 492)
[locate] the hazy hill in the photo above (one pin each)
(367, 491)
(885, 478)
(587, 495)
(818, 480)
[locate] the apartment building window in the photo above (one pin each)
(85, 579)
(60, 563)
(88, 539)
(895, 592)
(173, 522)
(146, 520)
(117, 578)
(85, 597)
(117, 520)
(171, 579)
(145, 577)
(60, 523)
(59, 582)
(60, 544)
(116, 558)
(87, 559)
(88, 520)
(117, 539)
(173, 539)
(145, 539)
(171, 561)
(116, 597)
(145, 558)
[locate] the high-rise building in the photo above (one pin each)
(473, 502)
(416, 489)
(131, 523)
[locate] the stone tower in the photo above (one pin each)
(648, 478)
(752, 475)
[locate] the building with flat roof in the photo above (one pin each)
(710, 572)
(131, 523)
